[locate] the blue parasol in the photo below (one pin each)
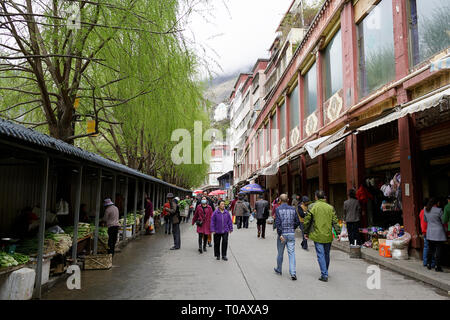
(252, 188)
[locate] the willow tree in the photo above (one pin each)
(121, 63)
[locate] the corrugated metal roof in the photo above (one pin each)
(17, 132)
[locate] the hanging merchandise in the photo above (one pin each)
(344, 233)
(62, 209)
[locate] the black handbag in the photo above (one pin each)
(200, 222)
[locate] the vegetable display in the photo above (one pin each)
(7, 260)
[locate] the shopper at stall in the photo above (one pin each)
(148, 213)
(423, 226)
(240, 210)
(286, 221)
(221, 227)
(436, 234)
(352, 217)
(319, 228)
(202, 218)
(167, 219)
(174, 212)
(112, 222)
(262, 213)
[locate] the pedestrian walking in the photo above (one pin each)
(174, 212)
(423, 227)
(352, 217)
(240, 210)
(221, 227)
(436, 234)
(202, 218)
(319, 226)
(275, 205)
(112, 222)
(247, 215)
(286, 221)
(192, 208)
(262, 214)
(296, 201)
(303, 210)
(148, 213)
(167, 218)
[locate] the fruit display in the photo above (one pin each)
(7, 260)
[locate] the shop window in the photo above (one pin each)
(274, 129)
(261, 144)
(310, 90)
(429, 28)
(267, 132)
(294, 110)
(333, 66)
(376, 48)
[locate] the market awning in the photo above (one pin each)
(296, 154)
(441, 64)
(323, 145)
(270, 170)
(418, 105)
(283, 162)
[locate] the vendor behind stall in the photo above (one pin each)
(84, 215)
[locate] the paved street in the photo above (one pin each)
(146, 269)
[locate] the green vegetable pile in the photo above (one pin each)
(7, 260)
(84, 229)
(20, 258)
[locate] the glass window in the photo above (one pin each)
(261, 144)
(376, 48)
(310, 90)
(283, 120)
(266, 128)
(333, 66)
(294, 112)
(274, 130)
(430, 25)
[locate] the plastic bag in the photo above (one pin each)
(55, 229)
(251, 218)
(270, 220)
(402, 242)
(344, 233)
(62, 209)
(400, 254)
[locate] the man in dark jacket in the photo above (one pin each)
(352, 214)
(174, 212)
(262, 213)
(286, 221)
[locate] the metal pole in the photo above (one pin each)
(125, 206)
(77, 216)
(143, 204)
(157, 197)
(97, 209)
(135, 207)
(42, 230)
(153, 191)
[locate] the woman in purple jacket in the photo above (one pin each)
(202, 218)
(221, 226)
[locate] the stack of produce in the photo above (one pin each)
(84, 229)
(20, 258)
(7, 260)
(103, 234)
(30, 246)
(63, 242)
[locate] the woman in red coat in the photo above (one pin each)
(202, 218)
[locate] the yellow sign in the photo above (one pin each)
(90, 126)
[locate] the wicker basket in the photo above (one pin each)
(98, 262)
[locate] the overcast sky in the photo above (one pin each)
(237, 33)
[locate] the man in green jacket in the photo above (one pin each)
(319, 226)
(446, 217)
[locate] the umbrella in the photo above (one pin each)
(217, 192)
(252, 188)
(198, 191)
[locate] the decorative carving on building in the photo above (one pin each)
(312, 124)
(295, 136)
